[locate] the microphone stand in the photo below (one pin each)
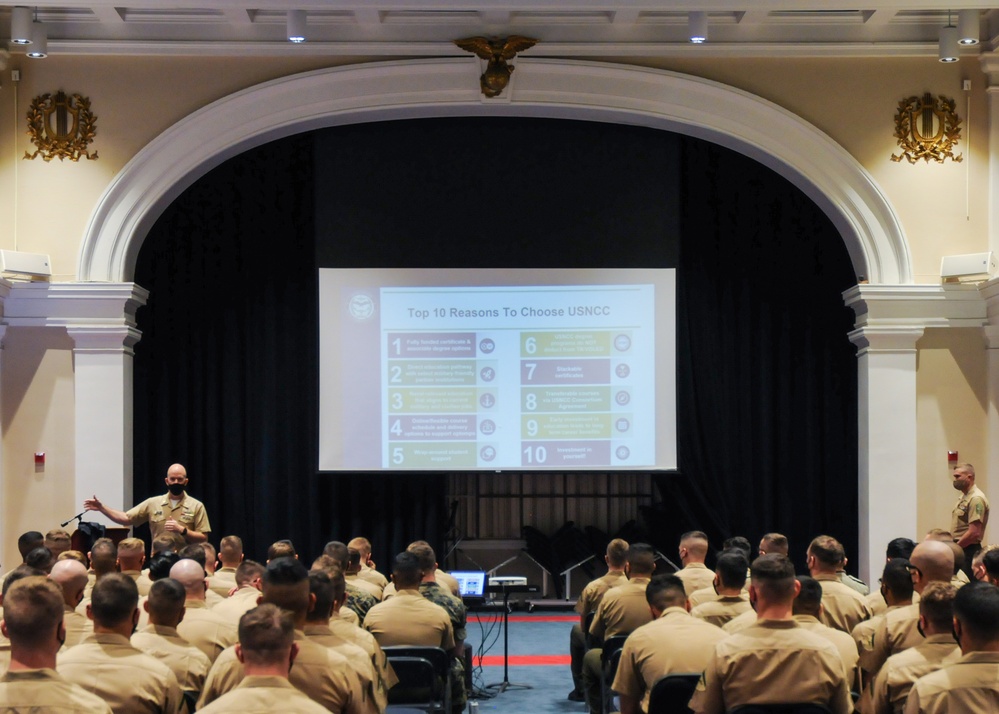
(77, 517)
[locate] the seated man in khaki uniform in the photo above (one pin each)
(106, 663)
(842, 606)
(895, 592)
(673, 643)
(358, 599)
(363, 546)
(589, 599)
(33, 621)
(267, 651)
(730, 578)
(321, 674)
(622, 610)
(693, 552)
(939, 648)
(209, 632)
(161, 640)
(970, 683)
(71, 577)
(131, 557)
(807, 611)
(775, 661)
(249, 585)
(230, 555)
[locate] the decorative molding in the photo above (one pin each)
(103, 339)
(916, 306)
(579, 90)
(894, 338)
(109, 305)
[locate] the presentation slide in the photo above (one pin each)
(498, 370)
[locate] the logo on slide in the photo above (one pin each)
(361, 307)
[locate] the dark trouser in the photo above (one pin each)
(577, 648)
(592, 676)
(969, 553)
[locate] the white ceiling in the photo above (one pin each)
(564, 28)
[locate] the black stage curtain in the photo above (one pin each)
(226, 371)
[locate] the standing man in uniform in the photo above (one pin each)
(176, 512)
(970, 514)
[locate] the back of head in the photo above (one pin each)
(731, 568)
(161, 564)
(773, 578)
(32, 609)
(809, 599)
(166, 600)
(265, 635)
(937, 605)
(665, 591)
(774, 543)
(103, 556)
(286, 584)
(406, 570)
(896, 578)
(425, 555)
(976, 607)
(337, 581)
(934, 559)
(958, 556)
(741, 544)
(114, 599)
(131, 553)
(28, 541)
(76, 555)
(283, 548)
(191, 575)
(168, 540)
(58, 540)
(828, 552)
(40, 558)
(641, 560)
(248, 571)
(362, 545)
(326, 564)
(617, 553)
(338, 551)
(231, 551)
(194, 552)
(353, 559)
(991, 562)
(19, 573)
(900, 548)
(696, 545)
(210, 554)
(321, 586)
(70, 576)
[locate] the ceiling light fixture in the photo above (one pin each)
(697, 27)
(297, 22)
(20, 26)
(39, 48)
(948, 48)
(968, 27)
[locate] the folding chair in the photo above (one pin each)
(672, 693)
(609, 659)
(424, 679)
(784, 708)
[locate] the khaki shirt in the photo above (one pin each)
(189, 664)
(896, 632)
(622, 610)
(222, 581)
(971, 507)
(372, 576)
(967, 685)
(143, 583)
(843, 643)
(359, 660)
(30, 690)
(843, 607)
(695, 576)
(129, 680)
(876, 602)
(448, 582)
(900, 672)
(78, 627)
(718, 612)
(206, 630)
(361, 584)
(595, 589)
(676, 643)
(321, 674)
(773, 661)
(348, 630)
(410, 619)
(190, 512)
(746, 619)
(241, 602)
(264, 695)
(699, 597)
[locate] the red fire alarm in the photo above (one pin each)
(39, 458)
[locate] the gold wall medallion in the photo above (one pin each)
(927, 129)
(497, 51)
(61, 126)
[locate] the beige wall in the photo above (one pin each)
(36, 415)
(943, 210)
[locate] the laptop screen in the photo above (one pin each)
(471, 583)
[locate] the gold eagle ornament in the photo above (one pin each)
(497, 51)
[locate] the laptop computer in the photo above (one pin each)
(471, 583)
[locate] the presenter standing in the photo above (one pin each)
(175, 512)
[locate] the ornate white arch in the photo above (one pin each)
(541, 88)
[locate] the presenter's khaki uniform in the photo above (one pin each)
(971, 507)
(843, 607)
(773, 661)
(676, 643)
(189, 512)
(900, 672)
(264, 695)
(206, 630)
(129, 680)
(968, 685)
(695, 576)
(189, 664)
(30, 690)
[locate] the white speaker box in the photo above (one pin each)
(957, 266)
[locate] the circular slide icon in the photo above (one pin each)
(622, 343)
(487, 400)
(622, 370)
(487, 453)
(361, 307)
(622, 452)
(487, 427)
(622, 425)
(622, 398)
(487, 374)
(486, 346)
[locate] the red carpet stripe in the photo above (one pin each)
(526, 660)
(529, 618)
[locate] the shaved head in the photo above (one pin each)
(191, 575)
(934, 560)
(71, 577)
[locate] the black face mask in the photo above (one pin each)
(175, 488)
(919, 628)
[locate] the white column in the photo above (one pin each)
(990, 291)
(990, 65)
(886, 385)
(102, 366)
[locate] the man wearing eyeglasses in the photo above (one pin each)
(970, 514)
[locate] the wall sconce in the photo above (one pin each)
(697, 27)
(297, 22)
